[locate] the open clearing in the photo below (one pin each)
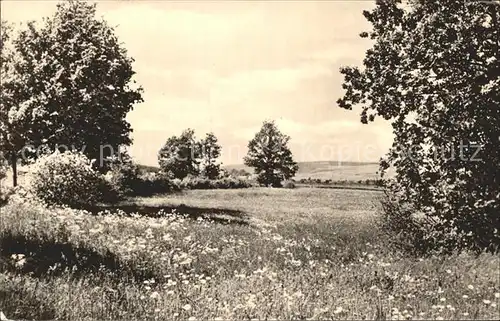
(230, 254)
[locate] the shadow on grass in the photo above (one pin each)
(24, 303)
(49, 257)
(217, 215)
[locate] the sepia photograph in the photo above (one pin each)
(249, 160)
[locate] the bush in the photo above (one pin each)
(155, 183)
(191, 182)
(68, 179)
(413, 232)
(5, 193)
(289, 184)
(124, 176)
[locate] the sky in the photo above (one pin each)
(227, 66)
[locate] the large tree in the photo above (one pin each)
(180, 155)
(210, 152)
(270, 156)
(434, 73)
(70, 84)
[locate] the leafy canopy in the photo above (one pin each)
(434, 73)
(69, 83)
(270, 156)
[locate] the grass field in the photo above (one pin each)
(336, 171)
(230, 254)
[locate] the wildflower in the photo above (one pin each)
(390, 298)
(497, 295)
(338, 310)
(442, 299)
(439, 318)
(486, 301)
(192, 318)
(465, 313)
(470, 287)
(186, 307)
(465, 296)
(154, 295)
(493, 305)
(448, 271)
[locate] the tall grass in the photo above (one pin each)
(209, 263)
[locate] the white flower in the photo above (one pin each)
(338, 310)
(486, 301)
(186, 307)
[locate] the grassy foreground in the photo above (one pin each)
(230, 254)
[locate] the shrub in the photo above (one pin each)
(154, 183)
(289, 184)
(124, 176)
(413, 232)
(5, 193)
(223, 183)
(67, 179)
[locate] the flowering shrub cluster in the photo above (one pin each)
(123, 175)
(67, 179)
(194, 182)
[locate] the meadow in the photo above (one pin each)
(257, 253)
(332, 170)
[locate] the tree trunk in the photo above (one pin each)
(14, 170)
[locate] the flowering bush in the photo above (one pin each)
(67, 179)
(124, 175)
(155, 183)
(192, 182)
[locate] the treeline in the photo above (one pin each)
(318, 181)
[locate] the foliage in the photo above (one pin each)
(434, 73)
(68, 83)
(210, 152)
(67, 179)
(193, 182)
(3, 167)
(155, 183)
(124, 175)
(180, 155)
(270, 156)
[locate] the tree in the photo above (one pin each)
(179, 157)
(434, 73)
(270, 157)
(71, 83)
(210, 152)
(11, 130)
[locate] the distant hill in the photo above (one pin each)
(328, 170)
(337, 171)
